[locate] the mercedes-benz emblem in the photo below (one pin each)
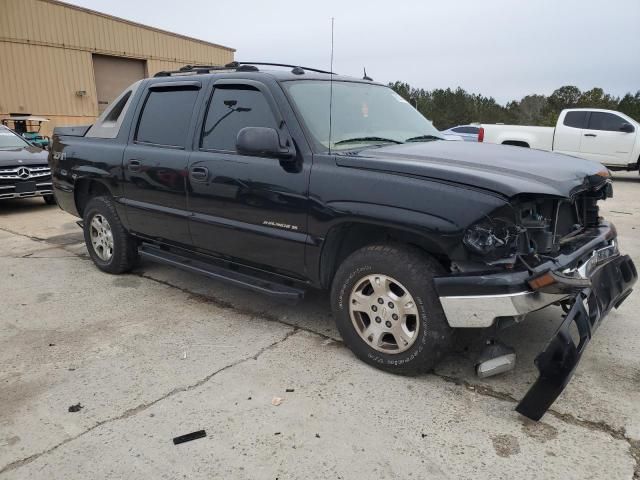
(24, 172)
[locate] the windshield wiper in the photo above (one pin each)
(367, 139)
(423, 138)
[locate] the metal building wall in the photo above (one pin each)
(46, 51)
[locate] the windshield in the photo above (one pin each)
(8, 139)
(362, 115)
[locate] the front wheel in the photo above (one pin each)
(110, 246)
(387, 310)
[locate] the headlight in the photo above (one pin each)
(482, 239)
(494, 237)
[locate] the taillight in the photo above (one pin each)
(480, 134)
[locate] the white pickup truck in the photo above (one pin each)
(606, 136)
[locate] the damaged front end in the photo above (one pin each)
(532, 253)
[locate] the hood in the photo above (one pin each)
(503, 169)
(23, 156)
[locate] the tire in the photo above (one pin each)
(117, 250)
(406, 269)
(49, 199)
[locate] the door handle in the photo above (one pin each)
(590, 135)
(199, 174)
(134, 165)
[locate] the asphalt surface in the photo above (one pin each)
(160, 353)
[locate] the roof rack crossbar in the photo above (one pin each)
(233, 66)
(193, 69)
(284, 65)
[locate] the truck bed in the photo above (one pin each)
(540, 138)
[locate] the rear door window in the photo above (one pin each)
(605, 121)
(575, 119)
(232, 108)
(166, 116)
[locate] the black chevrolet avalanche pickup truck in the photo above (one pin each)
(283, 179)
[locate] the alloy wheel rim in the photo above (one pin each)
(101, 237)
(384, 314)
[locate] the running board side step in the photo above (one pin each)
(239, 279)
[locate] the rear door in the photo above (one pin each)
(155, 162)
(604, 141)
(568, 134)
(252, 209)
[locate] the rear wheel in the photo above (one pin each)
(387, 310)
(110, 246)
(49, 199)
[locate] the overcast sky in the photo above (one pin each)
(500, 48)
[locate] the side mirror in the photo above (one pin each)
(627, 128)
(262, 141)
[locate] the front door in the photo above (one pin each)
(249, 208)
(155, 163)
(604, 142)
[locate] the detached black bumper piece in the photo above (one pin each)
(611, 284)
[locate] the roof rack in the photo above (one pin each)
(235, 67)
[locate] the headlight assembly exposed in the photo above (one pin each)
(493, 237)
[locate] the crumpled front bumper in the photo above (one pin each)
(611, 284)
(592, 276)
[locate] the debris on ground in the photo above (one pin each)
(277, 433)
(317, 435)
(189, 436)
(52, 344)
(75, 408)
(275, 401)
(290, 390)
(184, 355)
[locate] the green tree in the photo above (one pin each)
(564, 97)
(447, 108)
(596, 98)
(630, 104)
(527, 111)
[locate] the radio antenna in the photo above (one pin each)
(331, 86)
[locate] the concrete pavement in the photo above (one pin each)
(159, 353)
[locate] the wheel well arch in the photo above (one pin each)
(85, 189)
(342, 240)
(516, 143)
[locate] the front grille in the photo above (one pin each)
(21, 181)
(24, 172)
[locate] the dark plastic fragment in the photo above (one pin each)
(189, 436)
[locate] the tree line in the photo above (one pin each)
(447, 108)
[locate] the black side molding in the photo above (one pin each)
(233, 277)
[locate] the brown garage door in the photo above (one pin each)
(113, 75)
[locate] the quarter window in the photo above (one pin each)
(233, 108)
(166, 116)
(605, 121)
